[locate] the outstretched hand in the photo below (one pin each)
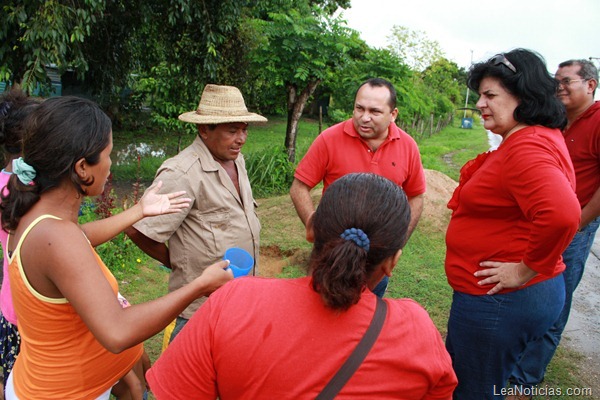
(505, 275)
(153, 203)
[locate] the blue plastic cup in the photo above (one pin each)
(240, 261)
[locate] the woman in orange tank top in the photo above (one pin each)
(64, 296)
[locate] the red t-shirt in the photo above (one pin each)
(339, 150)
(514, 204)
(258, 338)
(583, 142)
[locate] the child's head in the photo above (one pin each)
(58, 133)
(15, 106)
(361, 221)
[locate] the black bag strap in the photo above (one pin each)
(358, 355)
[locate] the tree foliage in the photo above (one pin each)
(445, 79)
(434, 92)
(262, 8)
(280, 53)
(128, 37)
(116, 49)
(195, 32)
(366, 63)
(414, 47)
(37, 33)
(297, 50)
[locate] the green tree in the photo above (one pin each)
(106, 41)
(37, 33)
(297, 50)
(123, 44)
(365, 62)
(445, 80)
(194, 32)
(419, 95)
(238, 66)
(261, 9)
(182, 47)
(414, 47)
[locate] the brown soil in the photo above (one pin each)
(272, 261)
(439, 190)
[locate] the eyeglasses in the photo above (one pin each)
(501, 59)
(568, 81)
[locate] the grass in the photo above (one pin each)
(448, 151)
(419, 274)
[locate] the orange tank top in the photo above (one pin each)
(60, 358)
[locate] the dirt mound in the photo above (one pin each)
(439, 190)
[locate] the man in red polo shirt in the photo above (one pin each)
(368, 142)
(577, 83)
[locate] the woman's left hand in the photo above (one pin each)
(153, 203)
(505, 275)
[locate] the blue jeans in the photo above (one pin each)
(487, 334)
(531, 368)
(379, 290)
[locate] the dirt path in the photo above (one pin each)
(582, 333)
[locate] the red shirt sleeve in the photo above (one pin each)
(536, 176)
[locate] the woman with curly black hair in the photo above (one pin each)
(513, 213)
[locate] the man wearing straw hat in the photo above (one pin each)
(212, 171)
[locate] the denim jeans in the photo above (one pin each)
(531, 368)
(487, 334)
(379, 290)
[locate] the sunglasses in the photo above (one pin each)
(501, 59)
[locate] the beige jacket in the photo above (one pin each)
(217, 219)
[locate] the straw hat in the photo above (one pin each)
(219, 105)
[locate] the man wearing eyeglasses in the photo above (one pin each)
(577, 82)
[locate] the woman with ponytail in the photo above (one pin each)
(77, 340)
(286, 338)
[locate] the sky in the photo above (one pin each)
(475, 30)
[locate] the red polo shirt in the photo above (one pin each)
(339, 150)
(583, 142)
